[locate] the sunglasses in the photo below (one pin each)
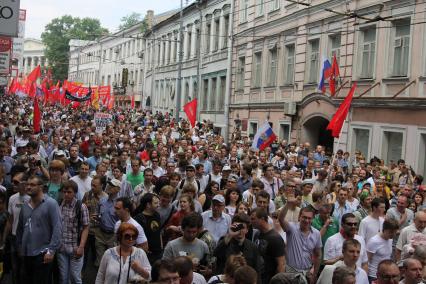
(129, 237)
(351, 224)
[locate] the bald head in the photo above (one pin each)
(420, 220)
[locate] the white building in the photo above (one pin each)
(115, 60)
(205, 60)
(33, 55)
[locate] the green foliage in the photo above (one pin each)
(57, 35)
(129, 20)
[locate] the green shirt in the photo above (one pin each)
(135, 179)
(332, 229)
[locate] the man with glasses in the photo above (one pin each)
(189, 179)
(157, 170)
(215, 220)
(333, 246)
(16, 201)
(303, 242)
(387, 272)
(39, 232)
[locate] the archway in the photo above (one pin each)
(315, 132)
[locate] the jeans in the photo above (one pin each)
(69, 268)
(37, 272)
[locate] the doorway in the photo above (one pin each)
(315, 132)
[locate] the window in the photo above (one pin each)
(226, 31)
(188, 49)
(401, 48)
(244, 11)
(259, 7)
(392, 146)
(368, 49)
(422, 154)
(313, 61)
(252, 129)
(213, 94)
(205, 93)
(240, 72)
(208, 35)
(257, 74)
(186, 94)
(272, 76)
(361, 141)
(197, 41)
(195, 89)
(335, 43)
(216, 35)
(275, 5)
(289, 64)
(222, 93)
(284, 131)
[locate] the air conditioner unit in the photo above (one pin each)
(140, 54)
(398, 42)
(131, 82)
(289, 108)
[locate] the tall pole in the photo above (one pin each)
(229, 72)
(179, 76)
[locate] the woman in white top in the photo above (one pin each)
(124, 263)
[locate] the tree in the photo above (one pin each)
(57, 35)
(129, 20)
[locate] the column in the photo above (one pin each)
(222, 37)
(212, 34)
(167, 58)
(161, 52)
(186, 50)
(193, 41)
(24, 65)
(172, 48)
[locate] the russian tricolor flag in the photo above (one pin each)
(326, 71)
(264, 137)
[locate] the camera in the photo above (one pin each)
(237, 228)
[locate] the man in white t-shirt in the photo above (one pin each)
(372, 224)
(333, 245)
(122, 207)
(379, 247)
(83, 180)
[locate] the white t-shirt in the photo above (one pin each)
(381, 249)
(83, 185)
(369, 227)
(198, 279)
(16, 202)
(333, 248)
(141, 236)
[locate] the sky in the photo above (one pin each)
(109, 12)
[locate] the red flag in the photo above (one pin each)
(339, 117)
(133, 102)
(35, 74)
(191, 111)
(13, 86)
(334, 74)
(111, 102)
(36, 116)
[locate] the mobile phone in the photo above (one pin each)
(237, 227)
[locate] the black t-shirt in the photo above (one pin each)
(271, 246)
(152, 229)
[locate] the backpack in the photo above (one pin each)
(182, 182)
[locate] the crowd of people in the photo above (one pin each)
(149, 199)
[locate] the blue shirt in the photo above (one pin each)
(244, 185)
(93, 162)
(217, 227)
(108, 216)
(340, 211)
(7, 162)
(319, 157)
(39, 228)
(206, 163)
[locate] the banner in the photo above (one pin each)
(5, 55)
(102, 120)
(74, 98)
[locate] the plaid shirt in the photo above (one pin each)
(69, 225)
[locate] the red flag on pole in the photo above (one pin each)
(34, 75)
(339, 117)
(133, 102)
(36, 116)
(334, 74)
(191, 111)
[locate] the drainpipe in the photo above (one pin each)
(229, 72)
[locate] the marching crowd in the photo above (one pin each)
(149, 199)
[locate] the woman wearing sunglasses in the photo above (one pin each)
(124, 263)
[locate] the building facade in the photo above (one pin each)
(205, 48)
(277, 51)
(33, 55)
(115, 60)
